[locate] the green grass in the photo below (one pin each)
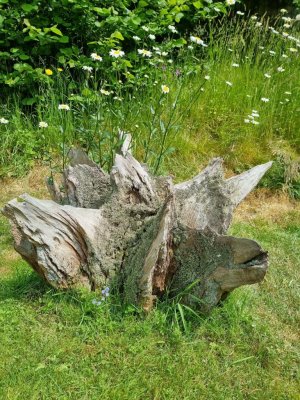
(204, 124)
(57, 345)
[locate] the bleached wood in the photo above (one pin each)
(139, 230)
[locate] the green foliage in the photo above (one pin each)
(39, 34)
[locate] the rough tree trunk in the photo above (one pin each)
(143, 231)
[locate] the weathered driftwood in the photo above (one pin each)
(140, 230)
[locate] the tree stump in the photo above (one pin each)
(139, 230)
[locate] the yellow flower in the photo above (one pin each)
(48, 72)
(59, 69)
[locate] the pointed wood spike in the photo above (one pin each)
(241, 185)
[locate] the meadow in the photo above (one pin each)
(230, 88)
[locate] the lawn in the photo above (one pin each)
(57, 345)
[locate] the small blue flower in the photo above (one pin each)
(96, 302)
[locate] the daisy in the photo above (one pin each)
(280, 69)
(207, 77)
(145, 53)
(198, 40)
(105, 92)
(136, 38)
(152, 37)
(265, 100)
(64, 107)
(230, 2)
(116, 53)
(4, 121)
(87, 68)
(96, 57)
(43, 124)
(293, 50)
(165, 89)
(235, 65)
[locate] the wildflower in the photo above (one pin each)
(198, 40)
(255, 115)
(272, 52)
(48, 72)
(267, 76)
(285, 34)
(229, 83)
(235, 65)
(170, 61)
(43, 124)
(293, 50)
(145, 53)
(59, 69)
(96, 57)
(105, 92)
(96, 302)
(288, 93)
(105, 292)
(287, 19)
(247, 121)
(230, 50)
(230, 2)
(190, 47)
(280, 69)
(136, 38)
(116, 53)
(172, 28)
(287, 100)
(297, 17)
(207, 77)
(254, 122)
(217, 9)
(283, 11)
(202, 89)
(258, 24)
(165, 89)
(145, 28)
(4, 121)
(240, 13)
(152, 37)
(265, 100)
(64, 107)
(164, 53)
(284, 56)
(87, 68)
(254, 17)
(287, 26)
(261, 47)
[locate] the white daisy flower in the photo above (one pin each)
(235, 65)
(64, 107)
(265, 99)
(230, 2)
(165, 89)
(207, 77)
(87, 68)
(280, 69)
(43, 124)
(293, 50)
(152, 37)
(96, 57)
(254, 17)
(136, 38)
(105, 92)
(145, 28)
(145, 53)
(4, 121)
(116, 53)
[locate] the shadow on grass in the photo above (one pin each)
(19, 286)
